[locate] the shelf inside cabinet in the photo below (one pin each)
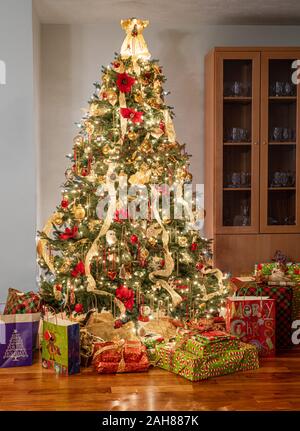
(281, 188)
(236, 144)
(237, 99)
(281, 143)
(236, 189)
(289, 99)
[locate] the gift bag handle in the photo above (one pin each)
(258, 290)
(46, 313)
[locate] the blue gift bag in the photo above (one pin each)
(18, 339)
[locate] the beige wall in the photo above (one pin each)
(71, 58)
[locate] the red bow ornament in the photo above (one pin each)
(132, 114)
(126, 296)
(79, 269)
(69, 233)
(125, 82)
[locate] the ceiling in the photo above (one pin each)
(176, 12)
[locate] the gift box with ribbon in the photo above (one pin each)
(207, 344)
(194, 367)
(120, 357)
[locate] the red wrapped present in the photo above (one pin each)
(252, 319)
(120, 357)
(22, 303)
(283, 296)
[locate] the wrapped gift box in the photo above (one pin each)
(22, 303)
(195, 368)
(120, 357)
(283, 296)
(207, 344)
(151, 340)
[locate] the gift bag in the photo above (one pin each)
(18, 338)
(252, 320)
(61, 346)
(283, 297)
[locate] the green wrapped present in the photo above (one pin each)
(250, 359)
(151, 340)
(195, 368)
(151, 353)
(207, 344)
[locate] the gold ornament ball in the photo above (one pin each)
(182, 241)
(58, 219)
(152, 241)
(132, 135)
(79, 212)
(106, 149)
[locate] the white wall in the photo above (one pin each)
(17, 156)
(71, 59)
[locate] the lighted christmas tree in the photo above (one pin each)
(15, 349)
(107, 237)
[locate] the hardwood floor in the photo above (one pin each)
(275, 386)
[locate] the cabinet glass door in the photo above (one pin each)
(237, 142)
(279, 138)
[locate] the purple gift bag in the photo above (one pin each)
(18, 339)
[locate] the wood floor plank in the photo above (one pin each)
(275, 386)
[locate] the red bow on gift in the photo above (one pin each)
(69, 233)
(126, 296)
(132, 114)
(79, 269)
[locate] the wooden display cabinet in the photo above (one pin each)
(252, 181)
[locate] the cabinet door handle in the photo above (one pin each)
(264, 142)
(255, 143)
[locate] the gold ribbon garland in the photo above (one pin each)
(219, 276)
(169, 126)
(169, 262)
(93, 251)
(42, 245)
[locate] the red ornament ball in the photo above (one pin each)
(199, 266)
(118, 323)
(58, 287)
(78, 308)
(259, 266)
(84, 172)
(194, 246)
(134, 239)
(64, 203)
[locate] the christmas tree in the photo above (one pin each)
(107, 237)
(15, 349)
